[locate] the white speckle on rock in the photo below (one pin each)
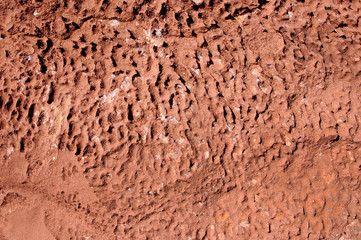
(36, 13)
(158, 32)
(255, 72)
(109, 97)
(244, 224)
(198, 1)
(95, 139)
(125, 86)
(163, 138)
(173, 119)
(147, 32)
(197, 71)
(9, 150)
(114, 23)
(162, 118)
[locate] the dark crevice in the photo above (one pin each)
(78, 150)
(22, 147)
(113, 61)
(118, 10)
(43, 67)
(132, 35)
(51, 94)
(31, 113)
(83, 51)
(49, 45)
(9, 103)
(94, 47)
(189, 21)
(70, 129)
(163, 10)
(261, 3)
(171, 100)
(130, 113)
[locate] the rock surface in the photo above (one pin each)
(180, 119)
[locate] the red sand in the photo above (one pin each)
(180, 119)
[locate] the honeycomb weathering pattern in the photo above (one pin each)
(180, 119)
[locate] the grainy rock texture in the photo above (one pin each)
(193, 119)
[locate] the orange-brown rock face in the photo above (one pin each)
(194, 119)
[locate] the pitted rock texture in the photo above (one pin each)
(180, 119)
